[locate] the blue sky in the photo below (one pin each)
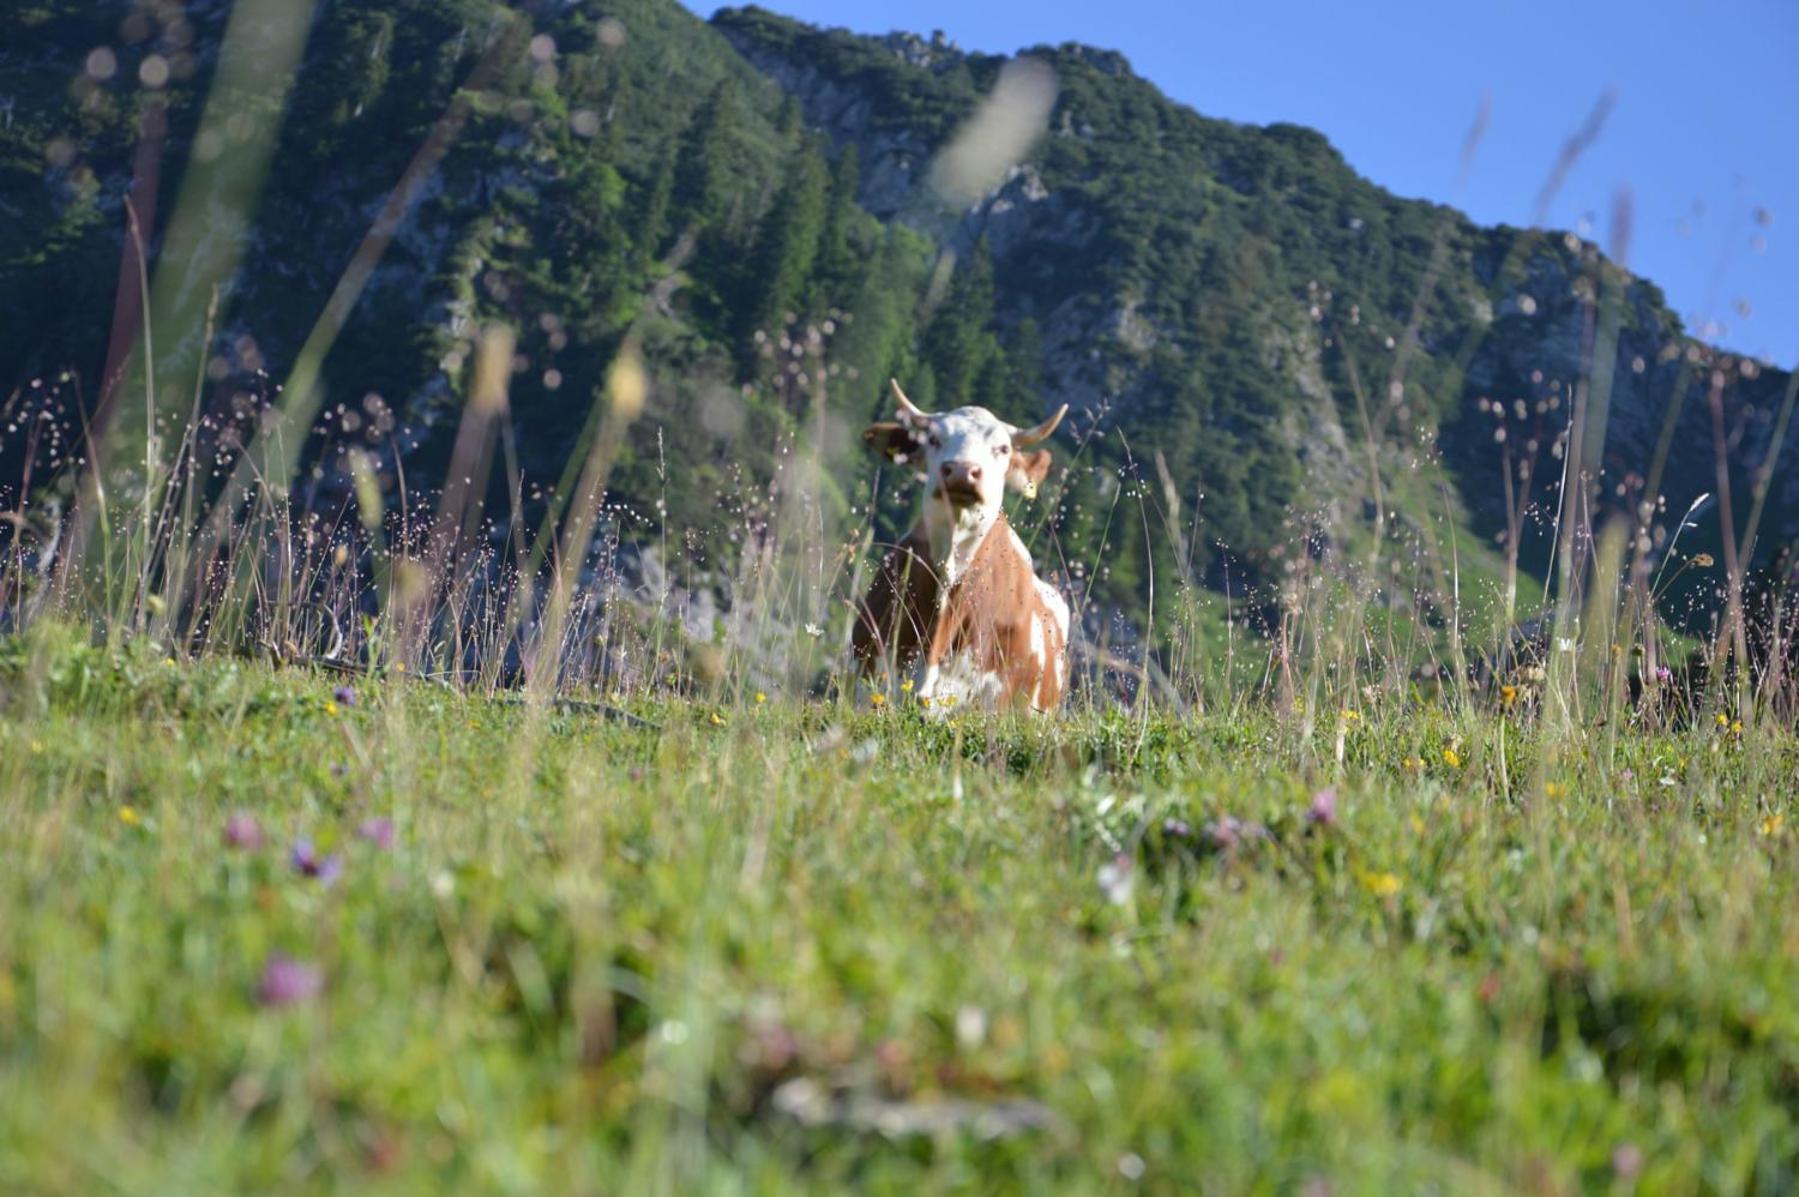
(1704, 130)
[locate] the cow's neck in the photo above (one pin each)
(955, 533)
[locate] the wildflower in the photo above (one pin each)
(761, 698)
(947, 701)
(1772, 826)
(1382, 885)
(1627, 1161)
(1116, 879)
(906, 686)
(129, 817)
(1508, 695)
(1412, 764)
(286, 981)
(307, 862)
(925, 702)
(1176, 828)
(243, 832)
(330, 708)
(717, 719)
(345, 696)
(1554, 789)
(1663, 674)
(1350, 716)
(378, 831)
(1323, 810)
(814, 631)
(1452, 758)
(1228, 833)
(1723, 719)
(1703, 560)
(878, 700)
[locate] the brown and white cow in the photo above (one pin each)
(957, 604)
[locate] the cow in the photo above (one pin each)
(957, 604)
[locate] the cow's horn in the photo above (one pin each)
(1024, 438)
(907, 409)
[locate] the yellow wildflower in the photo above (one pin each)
(129, 817)
(330, 707)
(925, 701)
(1350, 716)
(1382, 885)
(948, 700)
(1412, 764)
(1772, 826)
(1452, 758)
(1508, 695)
(717, 719)
(879, 700)
(1554, 789)
(761, 698)
(1723, 719)
(906, 686)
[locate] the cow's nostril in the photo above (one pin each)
(946, 471)
(974, 473)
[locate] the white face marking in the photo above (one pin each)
(967, 454)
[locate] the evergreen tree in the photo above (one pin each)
(957, 343)
(703, 176)
(1025, 357)
(652, 220)
(837, 260)
(787, 248)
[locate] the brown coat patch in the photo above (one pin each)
(988, 614)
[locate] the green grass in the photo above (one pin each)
(789, 947)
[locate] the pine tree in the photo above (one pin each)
(837, 262)
(703, 176)
(787, 248)
(652, 220)
(957, 343)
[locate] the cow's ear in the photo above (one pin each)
(893, 441)
(1028, 472)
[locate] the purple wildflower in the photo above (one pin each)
(308, 863)
(345, 696)
(1663, 674)
(243, 831)
(1627, 1161)
(1177, 828)
(286, 981)
(1323, 811)
(379, 832)
(1227, 833)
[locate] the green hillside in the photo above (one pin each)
(1309, 357)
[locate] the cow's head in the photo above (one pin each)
(969, 455)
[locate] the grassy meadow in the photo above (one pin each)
(274, 931)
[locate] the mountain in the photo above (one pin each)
(1243, 326)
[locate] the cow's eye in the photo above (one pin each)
(1001, 449)
(935, 441)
